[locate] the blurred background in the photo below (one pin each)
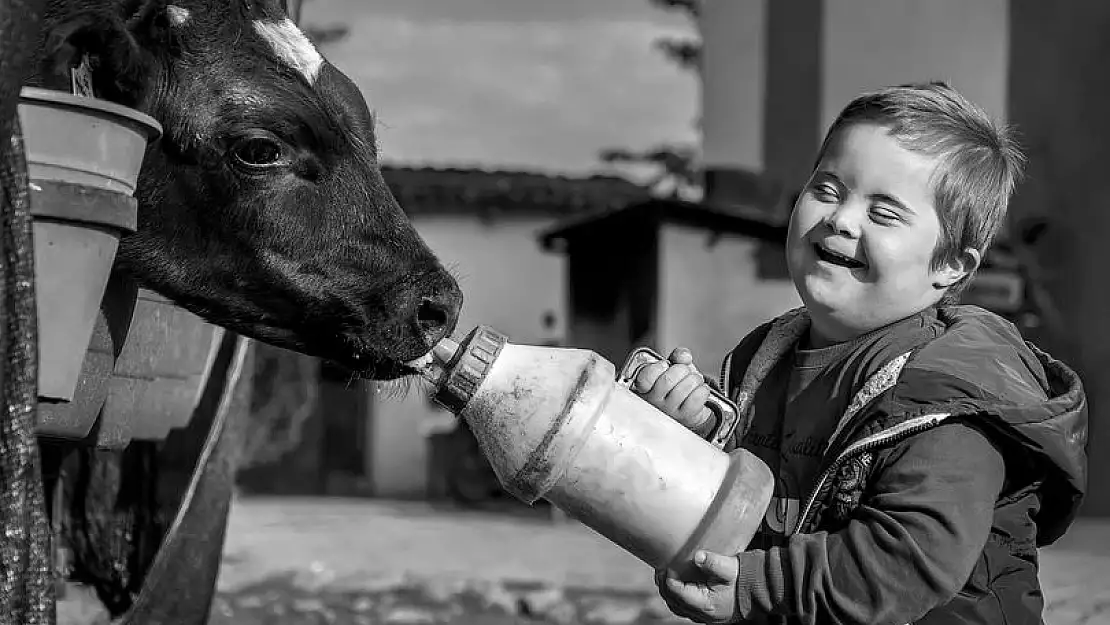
(607, 174)
(615, 173)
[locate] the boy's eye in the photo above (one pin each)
(825, 192)
(884, 215)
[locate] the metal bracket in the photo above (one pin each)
(726, 410)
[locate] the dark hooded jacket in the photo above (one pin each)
(978, 372)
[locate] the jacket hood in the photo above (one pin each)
(1035, 403)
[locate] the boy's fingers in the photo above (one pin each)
(666, 382)
(683, 612)
(694, 403)
(681, 356)
(690, 596)
(674, 604)
(717, 566)
(676, 398)
(648, 375)
(677, 608)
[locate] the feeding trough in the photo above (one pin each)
(83, 160)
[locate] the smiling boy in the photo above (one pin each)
(923, 450)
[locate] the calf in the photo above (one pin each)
(262, 209)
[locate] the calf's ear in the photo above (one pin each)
(118, 56)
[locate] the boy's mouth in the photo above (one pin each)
(836, 258)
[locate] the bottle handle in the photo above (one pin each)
(724, 408)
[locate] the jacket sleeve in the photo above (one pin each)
(909, 547)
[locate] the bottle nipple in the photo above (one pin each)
(444, 351)
(442, 354)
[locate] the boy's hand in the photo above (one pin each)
(710, 601)
(676, 387)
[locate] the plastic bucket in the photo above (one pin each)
(83, 159)
(143, 375)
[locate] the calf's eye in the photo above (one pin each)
(258, 152)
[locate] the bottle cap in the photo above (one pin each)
(468, 367)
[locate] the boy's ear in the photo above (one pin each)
(961, 266)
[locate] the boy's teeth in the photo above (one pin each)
(840, 258)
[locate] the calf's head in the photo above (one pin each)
(262, 208)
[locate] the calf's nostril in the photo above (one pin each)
(437, 313)
(432, 315)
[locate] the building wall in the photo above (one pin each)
(733, 36)
(874, 43)
(1059, 98)
(711, 293)
(792, 88)
(612, 277)
(509, 283)
(775, 75)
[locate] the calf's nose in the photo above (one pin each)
(436, 315)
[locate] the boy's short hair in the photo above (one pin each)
(980, 160)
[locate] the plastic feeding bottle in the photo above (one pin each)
(559, 424)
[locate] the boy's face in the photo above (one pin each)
(862, 236)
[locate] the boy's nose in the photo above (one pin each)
(845, 220)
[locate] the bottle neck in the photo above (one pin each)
(443, 354)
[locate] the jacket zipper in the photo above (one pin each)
(899, 432)
(726, 364)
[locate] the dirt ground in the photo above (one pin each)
(367, 562)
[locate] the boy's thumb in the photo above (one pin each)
(714, 564)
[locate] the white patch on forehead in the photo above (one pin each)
(178, 15)
(291, 46)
